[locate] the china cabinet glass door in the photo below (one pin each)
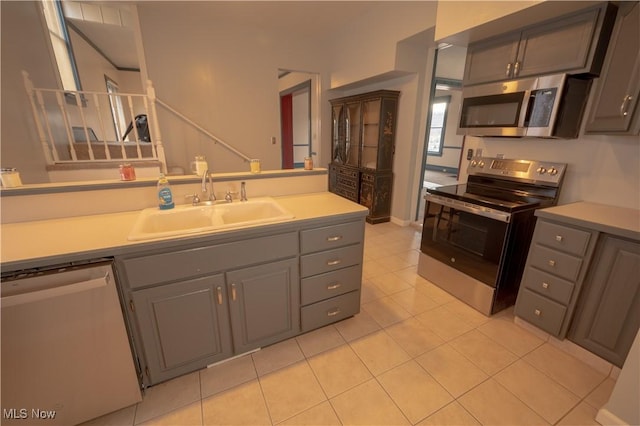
(370, 133)
(352, 142)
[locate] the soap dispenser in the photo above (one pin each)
(165, 198)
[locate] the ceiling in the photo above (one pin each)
(306, 19)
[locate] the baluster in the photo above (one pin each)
(28, 85)
(107, 153)
(155, 134)
(67, 127)
(84, 126)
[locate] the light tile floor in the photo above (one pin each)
(414, 355)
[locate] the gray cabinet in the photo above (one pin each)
(183, 326)
(574, 43)
(193, 304)
(608, 313)
(331, 271)
(615, 109)
(196, 305)
(264, 303)
(582, 284)
(555, 269)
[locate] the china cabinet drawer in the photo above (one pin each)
(330, 237)
(330, 260)
(331, 284)
(330, 310)
(548, 285)
(555, 262)
(198, 261)
(540, 311)
(564, 238)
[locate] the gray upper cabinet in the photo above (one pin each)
(183, 326)
(264, 304)
(615, 109)
(608, 313)
(574, 43)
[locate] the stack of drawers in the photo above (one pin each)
(331, 272)
(555, 269)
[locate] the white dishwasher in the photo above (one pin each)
(66, 356)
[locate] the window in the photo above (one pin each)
(61, 45)
(117, 111)
(437, 125)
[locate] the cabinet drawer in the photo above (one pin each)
(329, 237)
(548, 285)
(183, 264)
(331, 284)
(540, 311)
(559, 237)
(331, 310)
(330, 260)
(555, 262)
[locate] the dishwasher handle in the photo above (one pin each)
(36, 296)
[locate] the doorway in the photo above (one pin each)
(295, 122)
(443, 149)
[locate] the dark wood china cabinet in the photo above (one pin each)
(362, 148)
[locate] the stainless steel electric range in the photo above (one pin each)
(476, 236)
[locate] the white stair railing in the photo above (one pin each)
(214, 138)
(79, 127)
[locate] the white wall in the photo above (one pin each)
(221, 75)
(23, 48)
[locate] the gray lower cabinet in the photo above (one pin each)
(195, 304)
(584, 285)
(555, 269)
(608, 314)
(331, 271)
(183, 326)
(264, 304)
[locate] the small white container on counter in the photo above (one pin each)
(10, 178)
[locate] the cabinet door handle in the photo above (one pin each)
(537, 312)
(334, 286)
(333, 313)
(559, 238)
(516, 68)
(233, 292)
(334, 262)
(219, 293)
(508, 73)
(334, 238)
(552, 263)
(545, 285)
(625, 105)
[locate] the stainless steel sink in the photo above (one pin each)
(186, 219)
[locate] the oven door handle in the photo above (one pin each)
(469, 208)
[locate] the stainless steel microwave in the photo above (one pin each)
(549, 106)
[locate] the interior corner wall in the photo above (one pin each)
(454, 17)
(368, 46)
(25, 47)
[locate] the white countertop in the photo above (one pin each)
(620, 221)
(105, 233)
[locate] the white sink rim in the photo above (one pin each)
(216, 211)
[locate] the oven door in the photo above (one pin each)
(465, 236)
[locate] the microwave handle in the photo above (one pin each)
(527, 103)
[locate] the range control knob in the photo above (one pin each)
(541, 170)
(553, 171)
(474, 163)
(481, 164)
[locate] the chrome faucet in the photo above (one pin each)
(212, 195)
(243, 192)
